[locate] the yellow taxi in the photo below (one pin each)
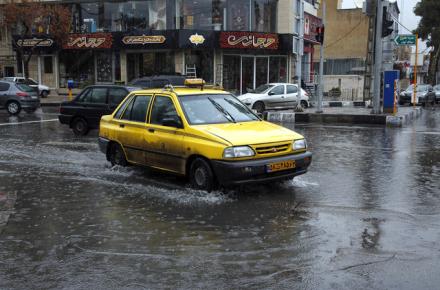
(203, 133)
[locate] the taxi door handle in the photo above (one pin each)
(151, 130)
(121, 125)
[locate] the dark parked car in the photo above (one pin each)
(85, 111)
(159, 81)
(15, 97)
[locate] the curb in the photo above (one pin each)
(366, 119)
(400, 121)
(341, 104)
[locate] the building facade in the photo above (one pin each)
(239, 44)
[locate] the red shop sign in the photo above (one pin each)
(87, 41)
(249, 40)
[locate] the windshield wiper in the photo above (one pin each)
(222, 110)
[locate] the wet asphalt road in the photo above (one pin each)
(366, 216)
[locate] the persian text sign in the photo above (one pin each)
(31, 42)
(92, 40)
(143, 39)
(249, 40)
(405, 39)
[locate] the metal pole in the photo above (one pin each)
(300, 47)
(321, 64)
(414, 100)
(378, 58)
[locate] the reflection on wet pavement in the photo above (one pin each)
(365, 216)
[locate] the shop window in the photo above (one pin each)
(200, 14)
(150, 64)
(239, 14)
(104, 67)
(78, 66)
(264, 15)
(203, 60)
(231, 73)
(277, 69)
(48, 64)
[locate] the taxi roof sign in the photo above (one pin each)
(194, 82)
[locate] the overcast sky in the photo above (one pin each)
(407, 17)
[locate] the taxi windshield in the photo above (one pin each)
(215, 109)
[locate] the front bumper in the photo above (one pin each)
(254, 171)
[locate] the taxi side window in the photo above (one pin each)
(163, 108)
(122, 108)
(139, 110)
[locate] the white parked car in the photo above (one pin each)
(275, 96)
(43, 90)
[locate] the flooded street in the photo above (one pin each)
(366, 215)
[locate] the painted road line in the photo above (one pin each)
(28, 122)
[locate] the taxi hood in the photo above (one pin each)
(248, 133)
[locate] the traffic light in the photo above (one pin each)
(387, 25)
(320, 34)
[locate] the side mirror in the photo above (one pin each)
(271, 93)
(430, 90)
(175, 122)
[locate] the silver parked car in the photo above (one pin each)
(43, 90)
(15, 97)
(437, 93)
(274, 96)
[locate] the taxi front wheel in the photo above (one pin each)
(201, 175)
(117, 156)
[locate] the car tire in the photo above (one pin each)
(80, 127)
(304, 104)
(13, 108)
(44, 94)
(117, 155)
(259, 107)
(201, 175)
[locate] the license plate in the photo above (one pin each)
(278, 166)
(34, 97)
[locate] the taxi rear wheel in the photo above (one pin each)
(117, 156)
(201, 175)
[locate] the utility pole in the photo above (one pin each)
(321, 65)
(300, 47)
(377, 58)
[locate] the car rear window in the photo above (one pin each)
(25, 88)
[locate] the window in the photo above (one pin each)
(200, 14)
(4, 87)
(122, 108)
(116, 95)
(292, 89)
(278, 90)
(94, 96)
(29, 82)
(48, 65)
(163, 107)
(264, 15)
(139, 110)
(127, 113)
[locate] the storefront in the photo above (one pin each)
(88, 59)
(311, 23)
(252, 59)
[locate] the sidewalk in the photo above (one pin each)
(347, 115)
(53, 100)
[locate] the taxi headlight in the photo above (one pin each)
(239, 151)
(299, 144)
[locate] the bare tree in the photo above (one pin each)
(38, 21)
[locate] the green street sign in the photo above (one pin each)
(405, 39)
